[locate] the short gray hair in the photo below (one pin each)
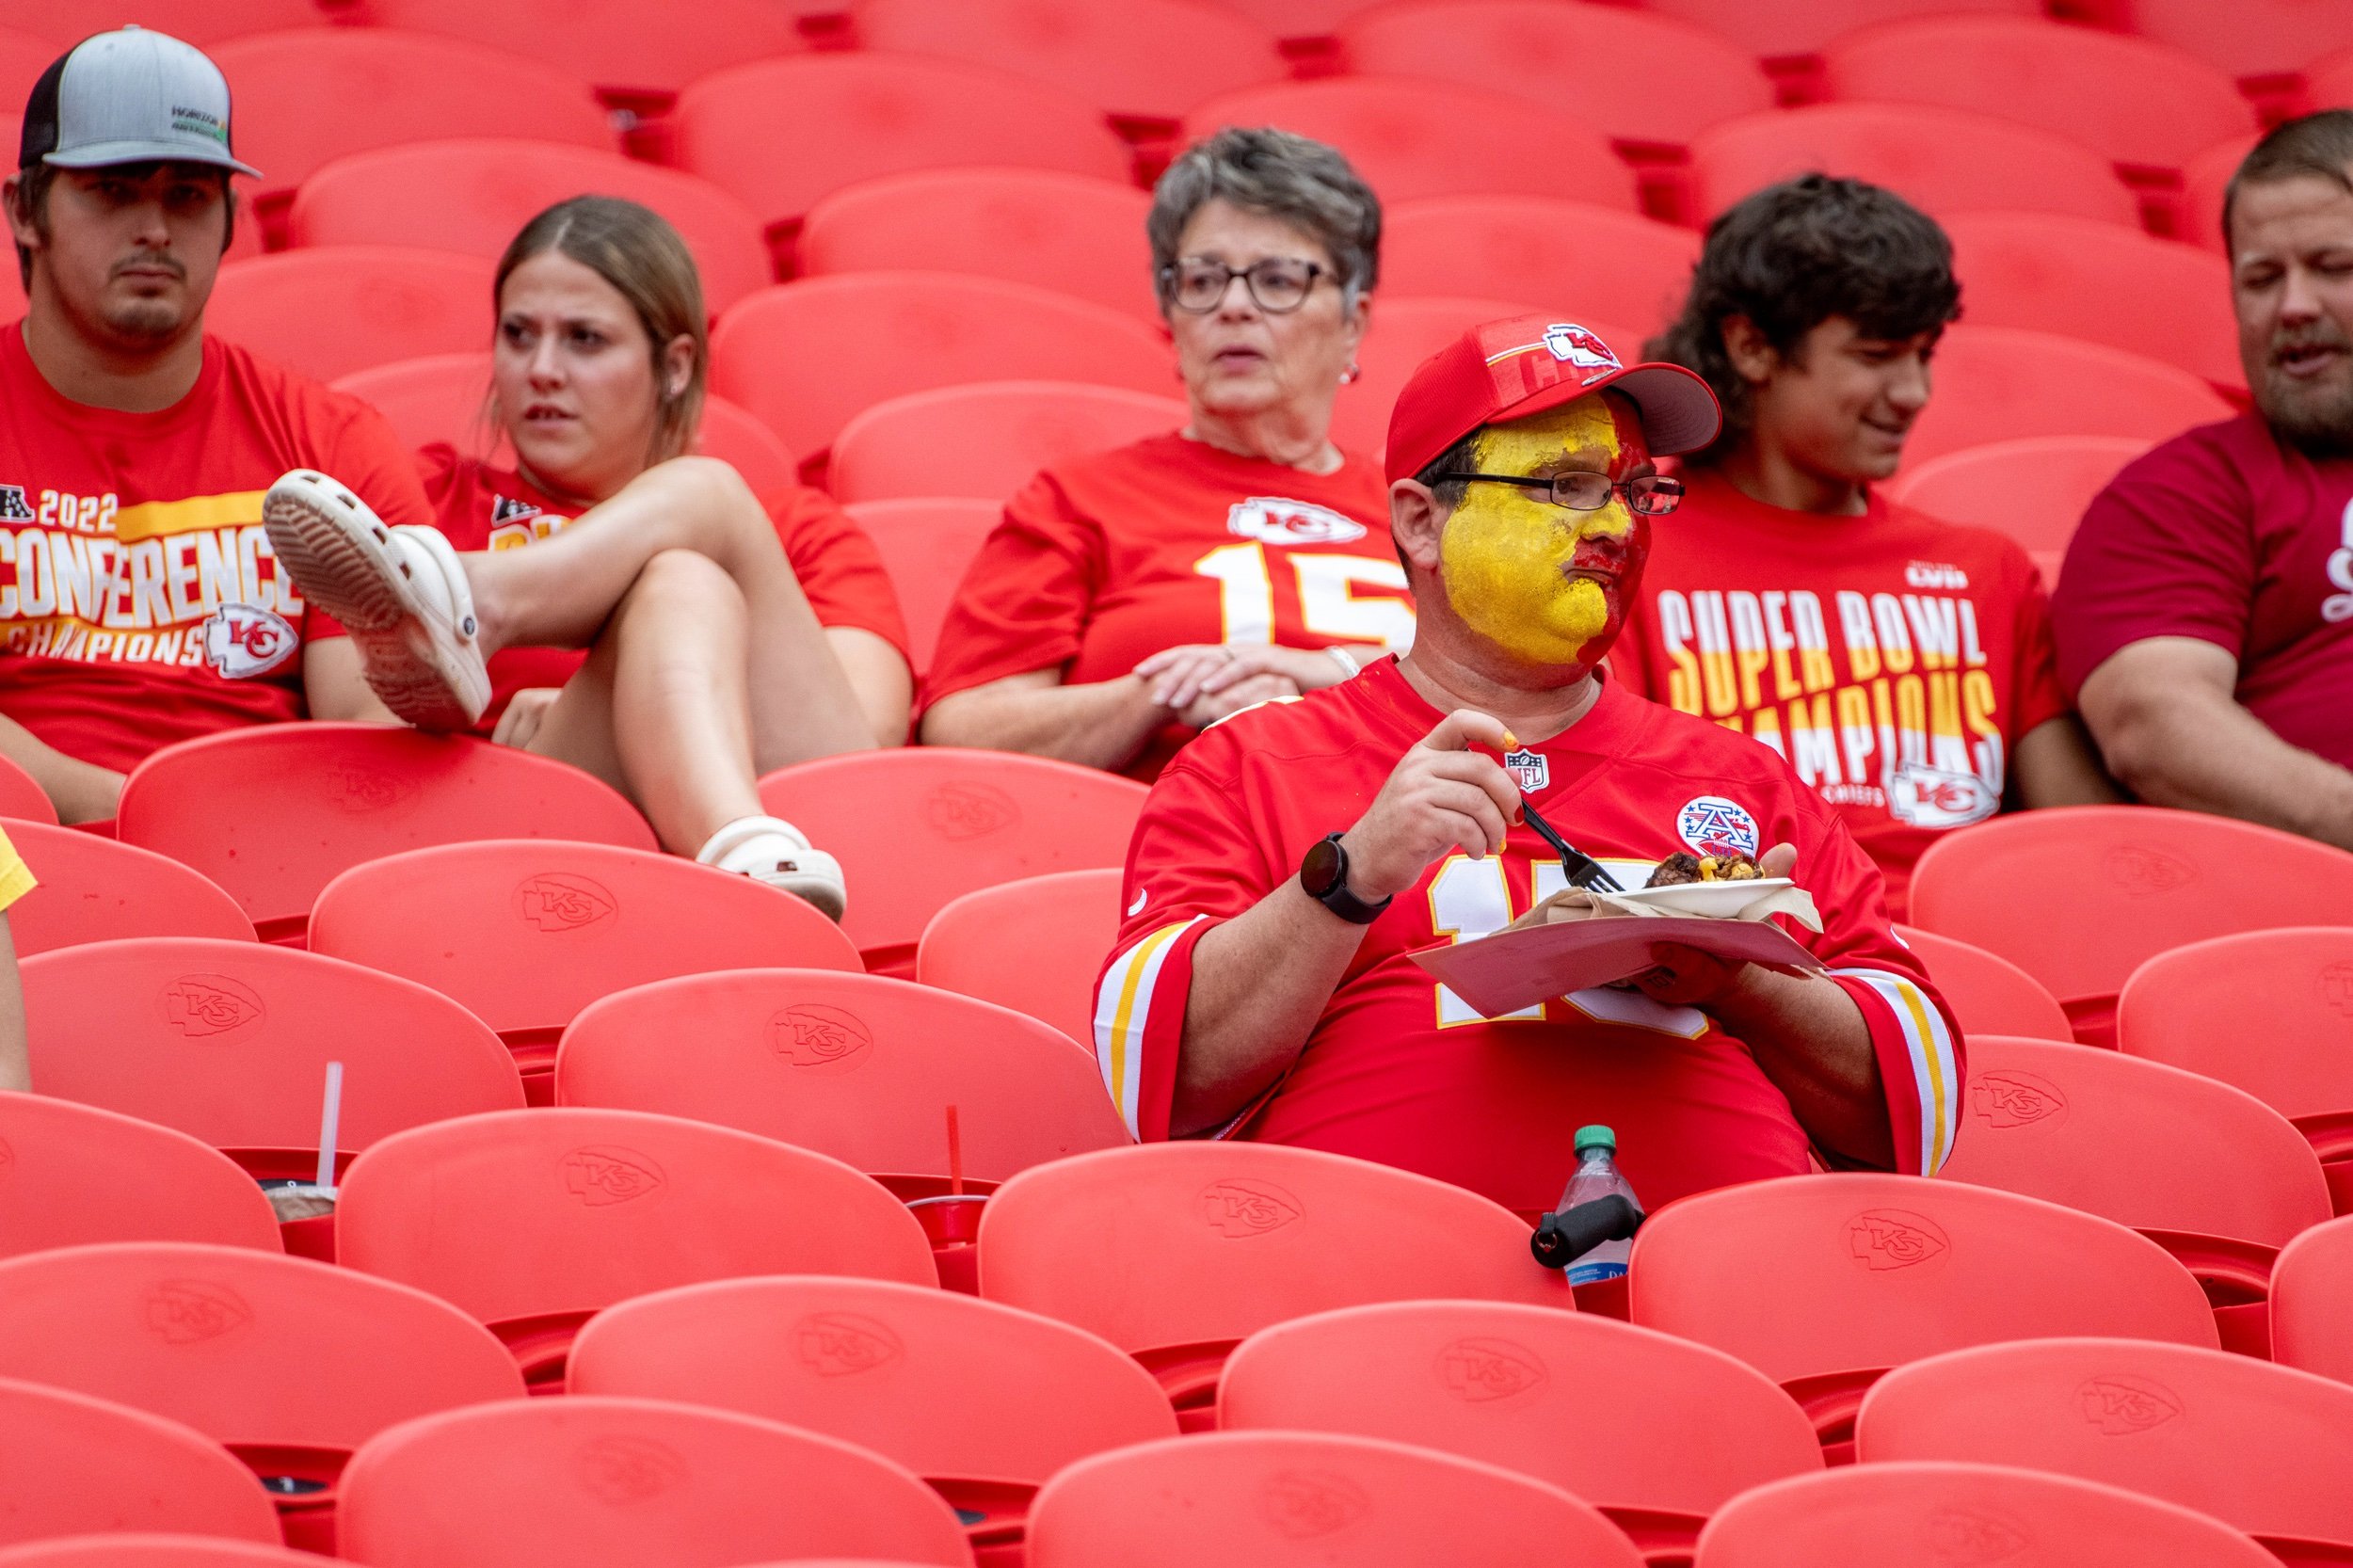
(2316, 146)
(1282, 175)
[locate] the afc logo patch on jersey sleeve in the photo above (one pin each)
(1710, 824)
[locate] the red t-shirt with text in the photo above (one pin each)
(480, 507)
(1107, 559)
(139, 602)
(2228, 535)
(1893, 659)
(1401, 1071)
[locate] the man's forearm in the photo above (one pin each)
(81, 792)
(1259, 983)
(1100, 724)
(1812, 1041)
(2200, 751)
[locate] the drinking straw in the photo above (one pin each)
(956, 1154)
(328, 1117)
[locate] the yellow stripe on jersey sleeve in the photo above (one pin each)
(1123, 1006)
(152, 520)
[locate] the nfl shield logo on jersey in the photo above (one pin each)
(1528, 770)
(1573, 345)
(245, 640)
(1710, 824)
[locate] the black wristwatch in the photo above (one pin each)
(1324, 871)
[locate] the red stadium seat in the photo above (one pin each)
(630, 1484)
(1035, 946)
(1405, 331)
(1075, 234)
(1294, 1499)
(22, 798)
(1140, 60)
(525, 932)
(2146, 105)
(474, 197)
(306, 97)
(2116, 886)
(1136, 1246)
(2263, 37)
(72, 1173)
(613, 46)
(1999, 383)
(202, 23)
(1872, 1272)
(1299, 22)
(1688, 1428)
(273, 812)
(988, 438)
(852, 116)
(925, 545)
(445, 397)
(150, 1550)
(532, 1220)
(94, 889)
(1604, 66)
(330, 312)
(2203, 182)
(1864, 1515)
(863, 1069)
(2264, 1011)
(2263, 1449)
(1802, 26)
(983, 1402)
(914, 828)
(70, 1464)
(2033, 489)
(229, 1041)
(1590, 261)
(2310, 1288)
(1941, 160)
(1986, 992)
(884, 334)
(2081, 278)
(1411, 139)
(23, 56)
(289, 1364)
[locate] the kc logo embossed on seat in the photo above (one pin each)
(203, 1005)
(601, 1175)
(625, 1470)
(1967, 1539)
(1885, 1238)
(187, 1311)
(1240, 1208)
(1480, 1369)
(560, 901)
(842, 1344)
(1304, 1504)
(2007, 1099)
(2121, 1405)
(2144, 873)
(811, 1034)
(965, 811)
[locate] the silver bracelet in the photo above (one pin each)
(1346, 661)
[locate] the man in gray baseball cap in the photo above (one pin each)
(139, 602)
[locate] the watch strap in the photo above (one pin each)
(1339, 900)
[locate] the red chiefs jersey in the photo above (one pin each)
(1106, 560)
(480, 507)
(139, 602)
(1893, 659)
(1401, 1070)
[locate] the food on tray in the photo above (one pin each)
(1681, 868)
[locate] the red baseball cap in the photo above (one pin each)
(1508, 369)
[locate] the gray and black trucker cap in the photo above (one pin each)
(129, 96)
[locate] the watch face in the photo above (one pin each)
(1322, 868)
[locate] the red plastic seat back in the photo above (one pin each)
(526, 932)
(472, 196)
(202, 23)
(1588, 260)
(153, 1550)
(70, 1463)
(1603, 67)
(1802, 26)
(1290, 1499)
(987, 440)
(332, 310)
(1076, 233)
(925, 545)
(2263, 1448)
(273, 813)
(1035, 946)
(1999, 383)
(445, 397)
(95, 890)
(1147, 61)
(2033, 489)
(2311, 1286)
(850, 117)
(2208, 175)
(71, 1174)
(2264, 1010)
(2118, 884)
(2140, 102)
(613, 45)
(2266, 37)
(600, 1484)
(884, 334)
(22, 798)
(1986, 991)
(1406, 332)
(229, 1041)
(1410, 138)
(917, 828)
(1941, 160)
(2087, 278)
(23, 56)
(856, 1067)
(1864, 1515)
(1517, 1386)
(956, 1389)
(532, 1220)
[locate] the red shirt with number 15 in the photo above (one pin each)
(1105, 560)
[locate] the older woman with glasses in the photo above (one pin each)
(1131, 598)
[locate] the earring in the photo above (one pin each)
(1352, 373)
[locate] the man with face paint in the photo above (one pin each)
(1293, 856)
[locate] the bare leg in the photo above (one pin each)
(560, 592)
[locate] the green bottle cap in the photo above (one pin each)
(1595, 1137)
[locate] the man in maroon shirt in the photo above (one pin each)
(2205, 619)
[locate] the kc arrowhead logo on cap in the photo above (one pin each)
(129, 96)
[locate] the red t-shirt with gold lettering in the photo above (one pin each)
(139, 602)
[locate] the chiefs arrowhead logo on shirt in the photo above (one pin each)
(1272, 519)
(242, 641)
(1922, 796)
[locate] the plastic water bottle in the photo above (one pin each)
(1597, 1178)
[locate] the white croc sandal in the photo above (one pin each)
(770, 850)
(400, 592)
